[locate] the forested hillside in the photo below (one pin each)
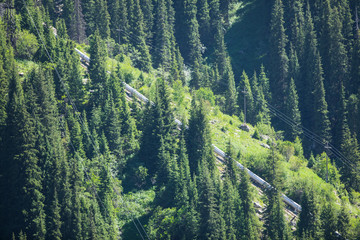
(274, 83)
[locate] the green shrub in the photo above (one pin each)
(26, 44)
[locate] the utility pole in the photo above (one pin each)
(327, 168)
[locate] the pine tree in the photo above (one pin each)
(147, 10)
(249, 228)
(278, 58)
(198, 139)
(229, 212)
(309, 222)
(264, 84)
(193, 54)
(210, 219)
(203, 19)
(244, 91)
(230, 94)
(312, 92)
(102, 18)
(328, 221)
(343, 222)
(97, 68)
(138, 39)
(77, 26)
(292, 110)
(119, 24)
(162, 49)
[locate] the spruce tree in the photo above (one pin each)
(230, 94)
(279, 61)
(292, 110)
(249, 228)
(198, 139)
(193, 54)
(77, 26)
(102, 18)
(312, 92)
(138, 39)
(162, 37)
(203, 19)
(244, 91)
(97, 51)
(309, 222)
(210, 219)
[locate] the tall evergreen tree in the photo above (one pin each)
(203, 19)
(97, 68)
(309, 222)
(198, 139)
(162, 49)
(279, 61)
(138, 39)
(312, 92)
(244, 91)
(292, 110)
(77, 26)
(192, 53)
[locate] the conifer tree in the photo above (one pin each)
(278, 58)
(264, 84)
(225, 8)
(193, 54)
(102, 18)
(203, 19)
(119, 24)
(97, 68)
(198, 139)
(230, 94)
(312, 91)
(229, 212)
(275, 224)
(309, 222)
(210, 219)
(350, 149)
(230, 167)
(249, 227)
(162, 49)
(328, 221)
(292, 110)
(77, 26)
(147, 10)
(244, 91)
(138, 39)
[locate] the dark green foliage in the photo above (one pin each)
(198, 139)
(203, 19)
(138, 39)
(97, 68)
(279, 60)
(292, 110)
(309, 222)
(245, 97)
(77, 25)
(329, 221)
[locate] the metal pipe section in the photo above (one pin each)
(217, 150)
